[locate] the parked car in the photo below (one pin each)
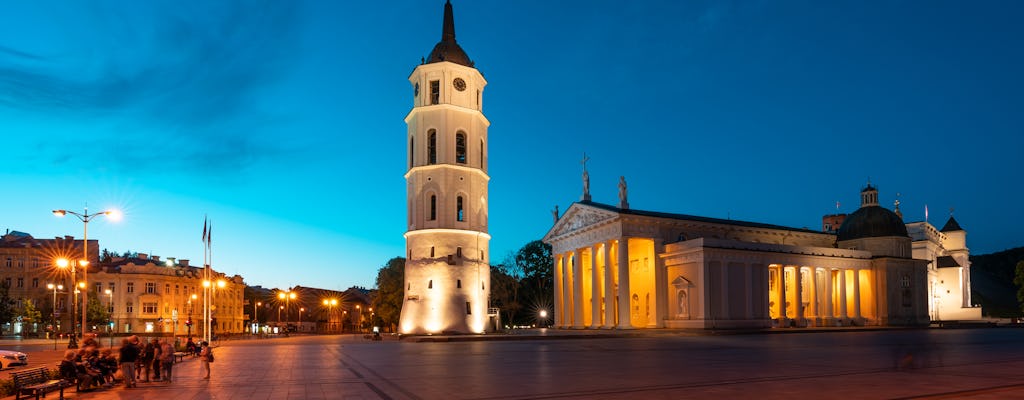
(9, 358)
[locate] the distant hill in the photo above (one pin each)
(992, 283)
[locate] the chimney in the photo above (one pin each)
(155, 258)
(183, 262)
(143, 256)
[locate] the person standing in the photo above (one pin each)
(128, 355)
(145, 362)
(166, 358)
(156, 359)
(205, 357)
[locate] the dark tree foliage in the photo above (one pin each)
(992, 283)
(505, 290)
(521, 285)
(7, 306)
(1019, 281)
(97, 313)
(387, 304)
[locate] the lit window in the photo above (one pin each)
(149, 308)
(459, 215)
(431, 147)
(460, 148)
(130, 307)
(131, 287)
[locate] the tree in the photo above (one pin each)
(537, 294)
(96, 312)
(505, 289)
(1018, 280)
(6, 303)
(30, 315)
(387, 304)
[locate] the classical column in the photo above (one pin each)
(842, 294)
(595, 290)
(559, 312)
(782, 295)
(567, 295)
(856, 294)
(798, 308)
(624, 294)
(577, 289)
(815, 298)
(660, 285)
(830, 312)
(609, 285)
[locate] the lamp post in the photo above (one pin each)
(287, 296)
(359, 320)
(330, 303)
(209, 286)
(110, 307)
(64, 263)
(188, 322)
(55, 288)
(255, 317)
(85, 218)
(279, 308)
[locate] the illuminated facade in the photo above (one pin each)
(620, 268)
(949, 269)
(447, 275)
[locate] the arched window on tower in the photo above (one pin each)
(431, 147)
(433, 207)
(481, 153)
(412, 152)
(460, 147)
(460, 215)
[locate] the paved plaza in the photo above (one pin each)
(886, 364)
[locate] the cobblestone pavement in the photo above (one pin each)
(887, 364)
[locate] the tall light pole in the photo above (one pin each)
(210, 293)
(330, 303)
(287, 296)
(64, 263)
(85, 217)
(188, 322)
(255, 317)
(55, 288)
(110, 307)
(279, 308)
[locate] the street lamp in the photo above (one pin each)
(279, 308)
(210, 307)
(255, 317)
(359, 320)
(55, 288)
(188, 322)
(287, 296)
(85, 218)
(301, 309)
(330, 303)
(110, 307)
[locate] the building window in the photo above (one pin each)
(99, 287)
(149, 308)
(110, 285)
(35, 282)
(433, 207)
(21, 263)
(431, 147)
(481, 153)
(905, 281)
(150, 288)
(478, 99)
(412, 152)
(430, 284)
(9, 262)
(131, 287)
(431, 251)
(458, 252)
(176, 290)
(469, 309)
(459, 215)
(435, 92)
(458, 283)
(460, 148)
(130, 307)
(21, 282)
(167, 288)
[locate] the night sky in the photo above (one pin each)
(282, 121)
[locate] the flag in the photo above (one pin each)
(204, 230)
(925, 213)
(209, 235)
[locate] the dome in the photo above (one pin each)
(447, 49)
(871, 221)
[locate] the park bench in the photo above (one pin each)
(179, 355)
(36, 381)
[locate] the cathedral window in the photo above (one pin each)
(435, 92)
(460, 148)
(459, 214)
(478, 99)
(469, 309)
(412, 152)
(433, 207)
(458, 283)
(458, 252)
(430, 284)
(481, 153)
(431, 147)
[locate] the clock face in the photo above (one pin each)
(416, 90)
(459, 84)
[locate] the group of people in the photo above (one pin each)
(137, 361)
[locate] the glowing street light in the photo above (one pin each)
(208, 305)
(110, 295)
(287, 296)
(330, 303)
(55, 288)
(85, 217)
(255, 317)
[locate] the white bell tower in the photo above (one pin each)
(447, 276)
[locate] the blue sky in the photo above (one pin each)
(283, 121)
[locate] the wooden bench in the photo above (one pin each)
(179, 355)
(36, 381)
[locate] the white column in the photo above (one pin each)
(856, 294)
(609, 286)
(567, 295)
(842, 294)
(624, 294)
(595, 290)
(829, 308)
(660, 285)
(559, 300)
(782, 295)
(798, 308)
(577, 289)
(815, 298)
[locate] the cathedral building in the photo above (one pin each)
(447, 274)
(617, 267)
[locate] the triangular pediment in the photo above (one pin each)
(577, 218)
(681, 282)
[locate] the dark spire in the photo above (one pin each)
(448, 29)
(447, 49)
